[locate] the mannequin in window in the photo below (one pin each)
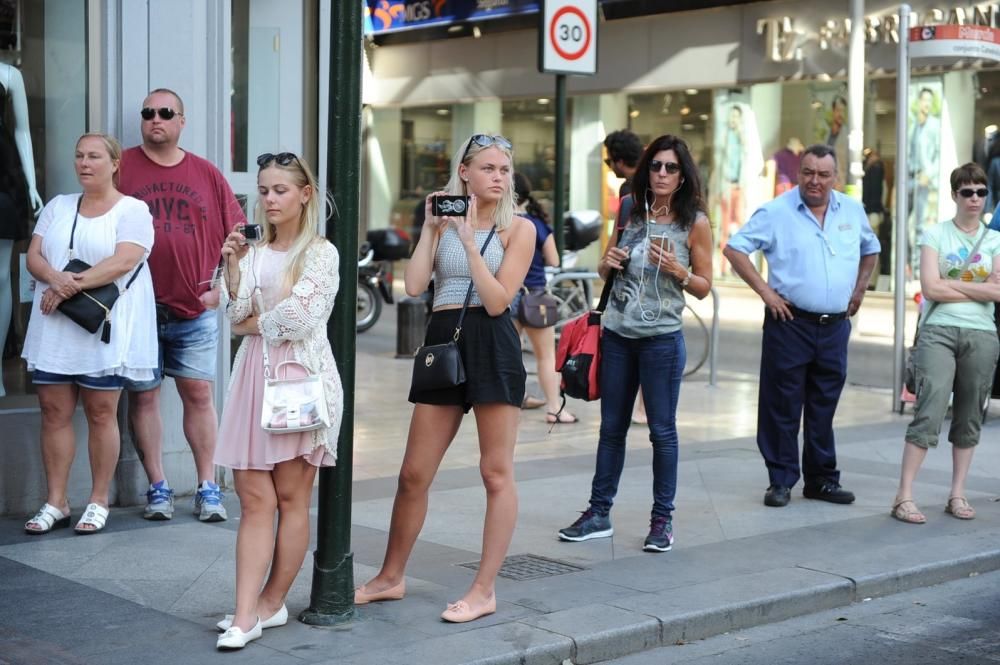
(19, 199)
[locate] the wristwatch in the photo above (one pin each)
(686, 280)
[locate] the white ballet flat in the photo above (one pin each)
(279, 618)
(234, 638)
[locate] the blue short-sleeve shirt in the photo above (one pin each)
(815, 268)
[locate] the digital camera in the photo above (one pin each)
(454, 206)
(252, 232)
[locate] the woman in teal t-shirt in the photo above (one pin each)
(957, 348)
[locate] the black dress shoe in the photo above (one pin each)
(777, 496)
(828, 491)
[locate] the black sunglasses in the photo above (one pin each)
(282, 159)
(485, 141)
(967, 192)
(165, 113)
(655, 166)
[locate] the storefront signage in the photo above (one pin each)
(568, 37)
(785, 39)
(955, 41)
(394, 15)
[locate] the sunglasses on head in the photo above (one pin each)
(281, 159)
(485, 141)
(655, 166)
(968, 192)
(165, 113)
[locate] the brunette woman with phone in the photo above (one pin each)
(664, 252)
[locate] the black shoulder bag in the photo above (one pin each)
(91, 307)
(439, 366)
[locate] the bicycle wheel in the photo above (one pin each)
(574, 300)
(696, 339)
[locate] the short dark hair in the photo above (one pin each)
(168, 91)
(623, 145)
(820, 150)
(927, 90)
(839, 101)
(967, 174)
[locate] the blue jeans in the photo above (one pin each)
(188, 349)
(657, 365)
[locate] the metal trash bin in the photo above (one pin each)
(411, 322)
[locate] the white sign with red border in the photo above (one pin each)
(567, 41)
(955, 41)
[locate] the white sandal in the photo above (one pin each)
(95, 516)
(48, 517)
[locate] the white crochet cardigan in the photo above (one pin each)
(301, 319)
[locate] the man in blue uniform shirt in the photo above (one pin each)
(820, 253)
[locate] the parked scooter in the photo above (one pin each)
(374, 286)
(375, 275)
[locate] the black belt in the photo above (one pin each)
(822, 319)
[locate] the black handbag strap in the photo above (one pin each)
(468, 294)
(609, 282)
(72, 233)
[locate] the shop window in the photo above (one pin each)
(43, 102)
(425, 154)
(530, 126)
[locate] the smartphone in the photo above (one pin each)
(663, 242)
(252, 232)
(454, 206)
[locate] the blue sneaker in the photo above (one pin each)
(661, 535)
(208, 503)
(589, 525)
(159, 502)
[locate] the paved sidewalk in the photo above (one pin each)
(152, 592)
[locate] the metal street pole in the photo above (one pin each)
(902, 206)
(332, 598)
(558, 202)
(856, 98)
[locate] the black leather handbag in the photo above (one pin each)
(91, 308)
(439, 366)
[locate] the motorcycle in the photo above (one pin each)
(375, 276)
(374, 286)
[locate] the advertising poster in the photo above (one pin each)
(734, 191)
(829, 108)
(924, 164)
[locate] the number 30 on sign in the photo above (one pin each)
(567, 39)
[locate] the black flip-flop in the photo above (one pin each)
(559, 419)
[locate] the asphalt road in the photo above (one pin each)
(950, 624)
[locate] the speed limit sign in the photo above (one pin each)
(568, 37)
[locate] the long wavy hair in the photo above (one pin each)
(503, 214)
(308, 226)
(687, 202)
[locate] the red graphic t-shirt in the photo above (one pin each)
(193, 210)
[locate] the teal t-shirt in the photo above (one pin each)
(953, 247)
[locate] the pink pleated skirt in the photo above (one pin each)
(242, 443)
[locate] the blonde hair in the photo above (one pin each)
(503, 214)
(302, 177)
(113, 147)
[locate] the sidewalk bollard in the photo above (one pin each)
(411, 322)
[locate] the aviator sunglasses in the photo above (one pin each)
(165, 113)
(282, 159)
(655, 166)
(485, 141)
(968, 192)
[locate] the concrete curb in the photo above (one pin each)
(603, 632)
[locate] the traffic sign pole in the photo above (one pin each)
(558, 202)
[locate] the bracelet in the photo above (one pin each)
(686, 280)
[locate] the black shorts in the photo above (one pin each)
(491, 353)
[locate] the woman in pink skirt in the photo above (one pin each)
(281, 291)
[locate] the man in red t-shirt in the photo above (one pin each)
(193, 210)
